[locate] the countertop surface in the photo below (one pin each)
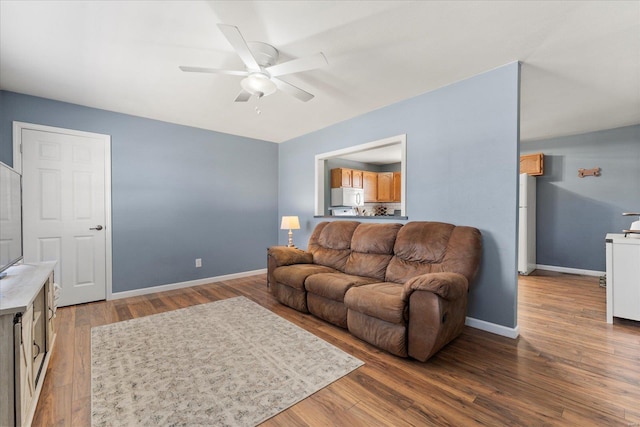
(631, 239)
(359, 217)
(21, 285)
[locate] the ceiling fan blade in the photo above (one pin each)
(292, 90)
(243, 96)
(297, 65)
(238, 42)
(212, 70)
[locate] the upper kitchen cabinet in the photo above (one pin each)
(346, 178)
(356, 178)
(370, 185)
(385, 187)
(340, 177)
(397, 186)
(532, 164)
(379, 187)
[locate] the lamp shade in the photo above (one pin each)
(290, 223)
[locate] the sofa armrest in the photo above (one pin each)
(283, 255)
(449, 286)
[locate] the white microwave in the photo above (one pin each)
(347, 197)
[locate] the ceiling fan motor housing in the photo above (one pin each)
(265, 54)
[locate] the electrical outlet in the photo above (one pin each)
(198, 262)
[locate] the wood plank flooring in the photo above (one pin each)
(567, 368)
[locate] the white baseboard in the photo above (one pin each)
(570, 270)
(172, 286)
(493, 328)
(470, 321)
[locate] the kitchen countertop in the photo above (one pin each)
(359, 217)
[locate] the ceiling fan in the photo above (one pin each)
(262, 70)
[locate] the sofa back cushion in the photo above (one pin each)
(430, 247)
(330, 243)
(371, 250)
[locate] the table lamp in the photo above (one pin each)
(290, 223)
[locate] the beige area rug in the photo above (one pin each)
(226, 363)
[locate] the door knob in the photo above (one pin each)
(97, 227)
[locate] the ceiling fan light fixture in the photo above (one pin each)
(258, 84)
(262, 70)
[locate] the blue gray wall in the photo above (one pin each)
(391, 167)
(462, 168)
(574, 214)
(178, 193)
(181, 193)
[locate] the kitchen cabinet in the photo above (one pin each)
(397, 187)
(26, 339)
(346, 178)
(356, 178)
(382, 187)
(385, 187)
(532, 164)
(370, 185)
(340, 177)
(623, 273)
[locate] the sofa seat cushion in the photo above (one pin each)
(295, 275)
(380, 300)
(334, 286)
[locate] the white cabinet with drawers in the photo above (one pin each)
(623, 277)
(26, 339)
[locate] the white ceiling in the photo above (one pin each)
(581, 59)
(377, 156)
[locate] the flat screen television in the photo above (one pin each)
(10, 217)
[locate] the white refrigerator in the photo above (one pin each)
(527, 225)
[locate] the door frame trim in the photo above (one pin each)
(17, 165)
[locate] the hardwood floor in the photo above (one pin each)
(568, 367)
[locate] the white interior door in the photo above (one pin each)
(64, 210)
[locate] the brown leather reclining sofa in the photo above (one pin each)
(402, 288)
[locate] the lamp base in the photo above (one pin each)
(290, 245)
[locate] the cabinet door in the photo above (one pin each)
(397, 187)
(370, 185)
(346, 177)
(356, 179)
(624, 281)
(50, 311)
(340, 177)
(336, 178)
(24, 367)
(385, 187)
